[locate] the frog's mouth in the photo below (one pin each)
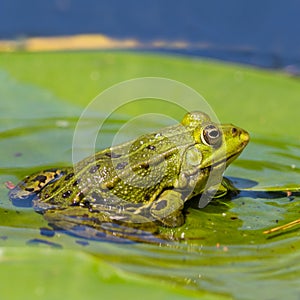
(231, 158)
(234, 155)
(228, 160)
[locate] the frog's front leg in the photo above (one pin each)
(225, 188)
(167, 209)
(27, 190)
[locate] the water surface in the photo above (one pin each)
(223, 249)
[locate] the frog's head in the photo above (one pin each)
(217, 143)
(214, 147)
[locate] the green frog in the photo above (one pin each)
(129, 191)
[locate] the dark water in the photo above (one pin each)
(262, 33)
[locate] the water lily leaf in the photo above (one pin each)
(220, 251)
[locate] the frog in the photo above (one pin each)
(129, 191)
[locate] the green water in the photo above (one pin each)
(223, 251)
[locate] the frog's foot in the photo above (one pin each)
(27, 190)
(98, 226)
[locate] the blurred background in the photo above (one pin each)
(261, 33)
(223, 254)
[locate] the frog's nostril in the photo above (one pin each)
(234, 131)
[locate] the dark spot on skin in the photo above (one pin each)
(3, 237)
(147, 197)
(56, 188)
(112, 155)
(76, 182)
(70, 175)
(67, 194)
(121, 165)
(234, 218)
(75, 203)
(47, 232)
(58, 174)
(86, 203)
(40, 178)
(97, 197)
(109, 185)
(77, 199)
(115, 155)
(161, 204)
(145, 166)
(18, 154)
(81, 195)
(29, 189)
(150, 147)
(94, 169)
(167, 154)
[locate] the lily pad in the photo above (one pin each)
(45, 273)
(221, 251)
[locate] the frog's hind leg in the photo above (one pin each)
(28, 189)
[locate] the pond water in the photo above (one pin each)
(251, 32)
(223, 250)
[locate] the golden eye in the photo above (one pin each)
(211, 135)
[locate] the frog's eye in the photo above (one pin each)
(211, 136)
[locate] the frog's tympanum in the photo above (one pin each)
(130, 190)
